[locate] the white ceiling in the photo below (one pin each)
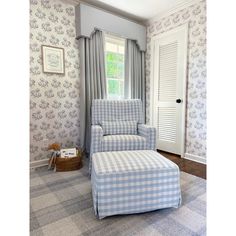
(139, 10)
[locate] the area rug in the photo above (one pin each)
(61, 205)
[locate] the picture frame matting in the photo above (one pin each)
(53, 59)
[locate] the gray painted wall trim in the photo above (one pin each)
(39, 163)
(88, 18)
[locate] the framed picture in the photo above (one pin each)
(53, 59)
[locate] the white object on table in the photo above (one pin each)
(68, 152)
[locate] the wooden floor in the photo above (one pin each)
(191, 167)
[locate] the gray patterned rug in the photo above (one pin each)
(61, 204)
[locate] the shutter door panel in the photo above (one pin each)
(167, 127)
(167, 72)
(166, 120)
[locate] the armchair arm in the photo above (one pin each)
(96, 139)
(149, 132)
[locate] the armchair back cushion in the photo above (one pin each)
(114, 110)
(119, 127)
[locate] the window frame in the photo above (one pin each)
(119, 42)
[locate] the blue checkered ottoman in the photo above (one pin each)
(128, 182)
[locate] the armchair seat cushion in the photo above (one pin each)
(123, 142)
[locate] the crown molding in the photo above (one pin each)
(70, 2)
(172, 10)
(107, 8)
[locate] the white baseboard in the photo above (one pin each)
(188, 156)
(195, 158)
(39, 163)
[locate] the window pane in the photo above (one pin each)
(115, 89)
(113, 86)
(111, 47)
(120, 70)
(114, 65)
(111, 70)
(112, 56)
(121, 49)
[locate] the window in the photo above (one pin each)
(114, 60)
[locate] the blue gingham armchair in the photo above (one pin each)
(118, 125)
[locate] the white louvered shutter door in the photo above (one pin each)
(169, 76)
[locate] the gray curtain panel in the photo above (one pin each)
(92, 81)
(135, 73)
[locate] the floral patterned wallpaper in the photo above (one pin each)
(54, 99)
(195, 15)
